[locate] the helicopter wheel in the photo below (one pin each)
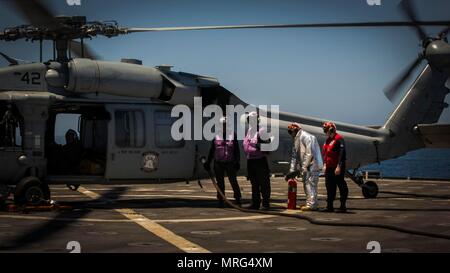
(370, 189)
(31, 191)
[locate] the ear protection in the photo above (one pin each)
(329, 127)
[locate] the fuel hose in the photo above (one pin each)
(417, 195)
(327, 223)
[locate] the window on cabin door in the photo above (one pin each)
(163, 135)
(130, 128)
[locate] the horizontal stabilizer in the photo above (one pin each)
(435, 135)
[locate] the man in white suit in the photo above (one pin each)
(307, 162)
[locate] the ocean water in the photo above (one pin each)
(424, 163)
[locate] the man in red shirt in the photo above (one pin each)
(334, 156)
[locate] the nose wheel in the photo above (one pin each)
(369, 188)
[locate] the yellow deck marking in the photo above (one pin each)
(154, 227)
(93, 220)
(66, 196)
(30, 217)
(94, 195)
(215, 219)
(184, 196)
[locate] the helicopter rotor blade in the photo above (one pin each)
(75, 47)
(11, 60)
(393, 90)
(36, 13)
(326, 25)
(410, 12)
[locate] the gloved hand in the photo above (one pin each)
(291, 175)
(304, 175)
(260, 140)
(207, 166)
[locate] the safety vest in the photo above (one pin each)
(251, 147)
(330, 156)
(224, 149)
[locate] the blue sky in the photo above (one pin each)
(328, 73)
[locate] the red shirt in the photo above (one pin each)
(332, 149)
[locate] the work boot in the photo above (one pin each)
(342, 209)
(307, 208)
(221, 204)
(237, 202)
(327, 209)
(253, 207)
(266, 205)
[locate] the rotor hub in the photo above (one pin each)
(66, 28)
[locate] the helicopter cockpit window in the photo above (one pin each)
(163, 126)
(11, 127)
(130, 129)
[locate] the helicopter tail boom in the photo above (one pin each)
(423, 104)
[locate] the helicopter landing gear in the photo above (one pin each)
(369, 188)
(31, 191)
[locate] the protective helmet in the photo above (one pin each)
(294, 126)
(72, 132)
(329, 126)
(74, 135)
(253, 115)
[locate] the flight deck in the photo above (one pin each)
(184, 217)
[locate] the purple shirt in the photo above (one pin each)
(251, 147)
(224, 149)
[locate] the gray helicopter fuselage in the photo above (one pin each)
(125, 121)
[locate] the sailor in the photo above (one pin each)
(334, 156)
(306, 161)
(71, 152)
(225, 152)
(9, 122)
(257, 165)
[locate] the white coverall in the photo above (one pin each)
(307, 158)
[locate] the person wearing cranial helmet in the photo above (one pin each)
(258, 171)
(306, 162)
(71, 153)
(334, 156)
(225, 152)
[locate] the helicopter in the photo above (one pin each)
(124, 110)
